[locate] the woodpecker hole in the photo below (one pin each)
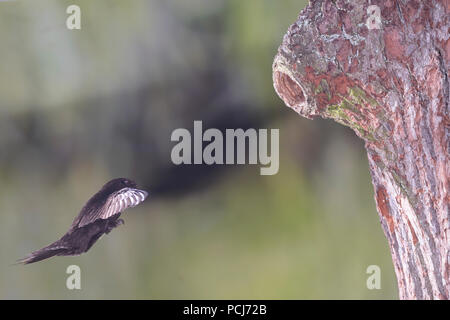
(288, 89)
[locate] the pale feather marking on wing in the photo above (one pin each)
(123, 199)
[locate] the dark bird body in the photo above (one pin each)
(99, 216)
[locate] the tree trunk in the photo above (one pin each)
(387, 79)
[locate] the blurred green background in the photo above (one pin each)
(81, 107)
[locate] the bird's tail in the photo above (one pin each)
(49, 251)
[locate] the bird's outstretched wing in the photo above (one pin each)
(114, 204)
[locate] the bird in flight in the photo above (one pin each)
(98, 216)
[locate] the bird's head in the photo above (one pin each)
(118, 184)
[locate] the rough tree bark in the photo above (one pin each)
(391, 86)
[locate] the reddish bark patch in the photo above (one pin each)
(393, 44)
(447, 6)
(341, 84)
(343, 53)
(433, 82)
(413, 233)
(383, 207)
(354, 66)
(447, 50)
(347, 21)
(382, 73)
(388, 3)
(410, 11)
